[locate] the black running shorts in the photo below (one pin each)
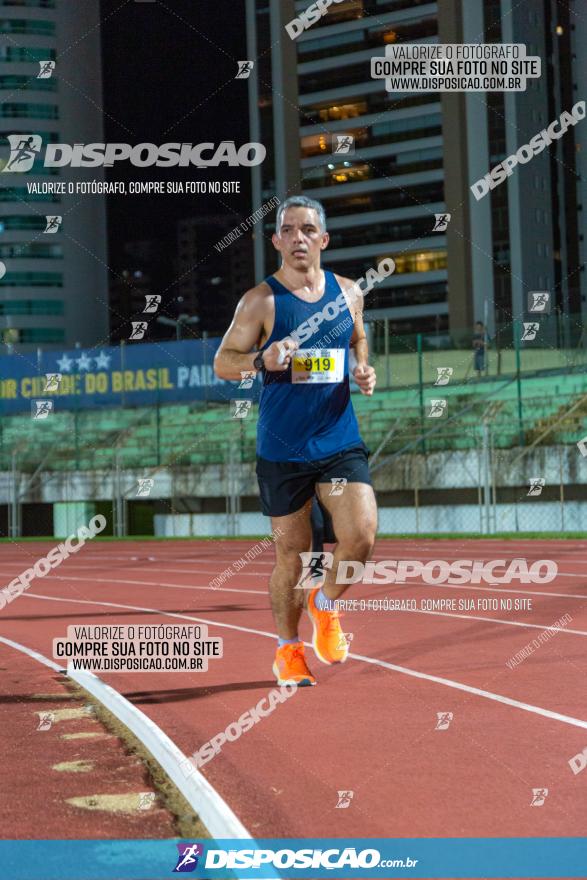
(285, 486)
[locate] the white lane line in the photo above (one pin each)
(499, 698)
(457, 685)
(200, 566)
(214, 812)
(496, 589)
(577, 632)
(34, 654)
(74, 577)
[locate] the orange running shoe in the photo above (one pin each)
(290, 666)
(328, 641)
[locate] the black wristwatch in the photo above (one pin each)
(258, 362)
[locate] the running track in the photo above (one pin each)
(369, 725)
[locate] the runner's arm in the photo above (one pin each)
(235, 354)
(358, 342)
(363, 374)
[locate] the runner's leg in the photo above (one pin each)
(354, 519)
(294, 536)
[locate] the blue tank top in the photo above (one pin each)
(301, 421)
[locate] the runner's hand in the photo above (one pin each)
(277, 357)
(365, 378)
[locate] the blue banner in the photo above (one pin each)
(125, 375)
(341, 858)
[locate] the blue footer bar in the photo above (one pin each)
(292, 858)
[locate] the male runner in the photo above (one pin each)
(307, 433)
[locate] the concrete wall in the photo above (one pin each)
(194, 490)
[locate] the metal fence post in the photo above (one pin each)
(421, 387)
(519, 380)
(387, 363)
(562, 487)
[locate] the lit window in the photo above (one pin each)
(343, 111)
(423, 261)
(313, 145)
(344, 174)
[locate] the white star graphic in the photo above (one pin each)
(64, 364)
(103, 361)
(83, 362)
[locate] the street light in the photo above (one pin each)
(182, 319)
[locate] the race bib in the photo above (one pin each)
(318, 365)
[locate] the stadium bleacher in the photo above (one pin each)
(202, 434)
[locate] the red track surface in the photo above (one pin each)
(364, 728)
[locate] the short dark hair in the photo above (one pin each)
(301, 202)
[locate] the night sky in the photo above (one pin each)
(168, 71)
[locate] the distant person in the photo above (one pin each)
(480, 340)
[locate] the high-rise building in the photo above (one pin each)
(211, 280)
(54, 291)
(417, 154)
